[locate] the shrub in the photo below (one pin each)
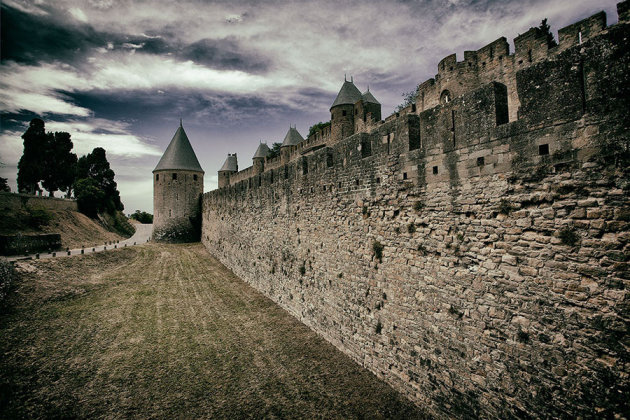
(411, 228)
(522, 336)
(378, 247)
(303, 268)
(505, 207)
(569, 236)
(38, 217)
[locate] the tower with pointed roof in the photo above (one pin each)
(177, 188)
(230, 167)
(259, 158)
(342, 111)
(291, 139)
(352, 111)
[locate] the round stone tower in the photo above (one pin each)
(342, 111)
(177, 189)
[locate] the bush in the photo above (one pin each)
(378, 247)
(505, 207)
(142, 217)
(8, 277)
(38, 217)
(569, 236)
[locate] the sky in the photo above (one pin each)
(119, 74)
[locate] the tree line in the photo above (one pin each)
(48, 161)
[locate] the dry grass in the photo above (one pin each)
(76, 229)
(165, 331)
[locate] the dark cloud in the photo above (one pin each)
(30, 39)
(226, 54)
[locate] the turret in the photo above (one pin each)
(177, 188)
(366, 110)
(259, 158)
(230, 167)
(292, 138)
(342, 111)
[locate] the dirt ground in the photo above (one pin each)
(166, 331)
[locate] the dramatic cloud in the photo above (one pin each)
(119, 74)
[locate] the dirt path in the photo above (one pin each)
(165, 331)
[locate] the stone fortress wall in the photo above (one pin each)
(472, 252)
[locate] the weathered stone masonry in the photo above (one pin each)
(476, 262)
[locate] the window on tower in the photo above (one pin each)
(157, 177)
(174, 176)
(194, 177)
(343, 113)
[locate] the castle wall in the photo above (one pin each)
(476, 262)
(176, 196)
(14, 201)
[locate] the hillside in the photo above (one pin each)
(75, 228)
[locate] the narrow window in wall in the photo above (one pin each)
(529, 55)
(543, 149)
(404, 175)
(194, 177)
(445, 97)
(329, 160)
(435, 170)
(413, 108)
(304, 166)
(378, 180)
(340, 185)
(388, 142)
(286, 172)
(480, 161)
(170, 213)
(176, 196)
(343, 113)
(157, 177)
(271, 177)
(453, 125)
(174, 176)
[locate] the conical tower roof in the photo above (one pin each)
(179, 154)
(369, 98)
(230, 164)
(292, 138)
(262, 151)
(348, 95)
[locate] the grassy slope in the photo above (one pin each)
(166, 331)
(75, 228)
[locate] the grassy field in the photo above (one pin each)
(165, 331)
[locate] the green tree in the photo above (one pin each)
(316, 127)
(59, 164)
(546, 30)
(30, 166)
(409, 98)
(274, 151)
(95, 166)
(89, 196)
(142, 217)
(4, 186)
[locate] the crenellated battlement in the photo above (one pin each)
(446, 104)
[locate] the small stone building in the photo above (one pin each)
(177, 188)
